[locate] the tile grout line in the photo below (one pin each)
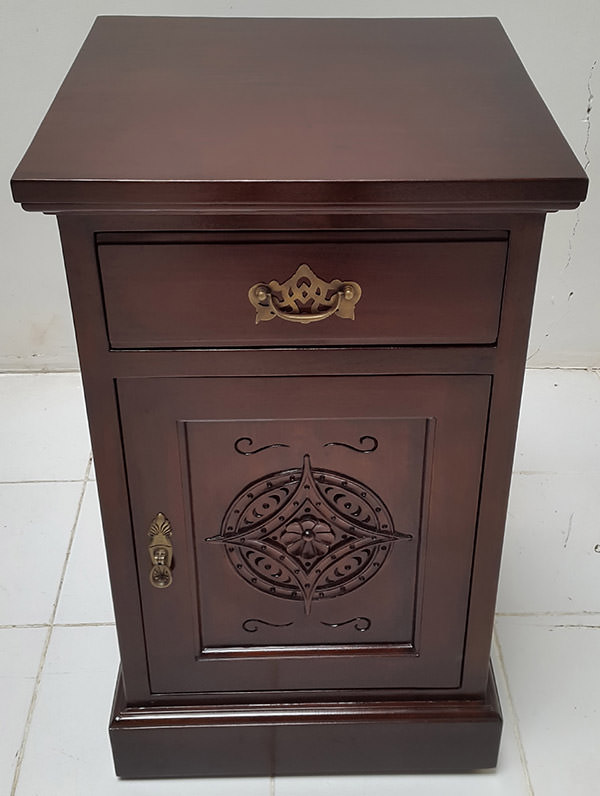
(31, 626)
(56, 624)
(42, 663)
(514, 715)
(45, 481)
(84, 624)
(547, 613)
(29, 717)
(38, 371)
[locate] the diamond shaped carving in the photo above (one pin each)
(307, 534)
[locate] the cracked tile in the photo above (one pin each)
(559, 426)
(549, 561)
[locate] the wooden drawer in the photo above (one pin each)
(195, 294)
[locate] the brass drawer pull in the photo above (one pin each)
(304, 298)
(161, 552)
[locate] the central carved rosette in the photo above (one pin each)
(307, 534)
(308, 537)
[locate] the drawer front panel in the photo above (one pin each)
(322, 528)
(194, 295)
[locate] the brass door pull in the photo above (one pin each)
(304, 298)
(161, 552)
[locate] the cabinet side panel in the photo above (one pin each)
(77, 237)
(523, 253)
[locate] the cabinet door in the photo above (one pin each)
(322, 528)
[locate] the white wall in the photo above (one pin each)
(558, 41)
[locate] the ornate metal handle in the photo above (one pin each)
(161, 552)
(304, 298)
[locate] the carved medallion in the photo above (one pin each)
(307, 534)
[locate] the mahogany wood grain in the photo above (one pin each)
(415, 609)
(101, 366)
(399, 737)
(160, 112)
(195, 294)
(344, 138)
(524, 248)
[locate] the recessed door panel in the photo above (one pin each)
(313, 536)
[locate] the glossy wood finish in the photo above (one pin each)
(418, 112)
(195, 294)
(111, 418)
(429, 434)
(100, 366)
(354, 738)
(186, 203)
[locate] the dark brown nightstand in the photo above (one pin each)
(302, 257)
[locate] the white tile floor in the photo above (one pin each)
(57, 633)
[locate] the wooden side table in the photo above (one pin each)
(301, 256)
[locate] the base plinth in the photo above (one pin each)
(317, 738)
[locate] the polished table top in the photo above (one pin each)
(171, 111)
